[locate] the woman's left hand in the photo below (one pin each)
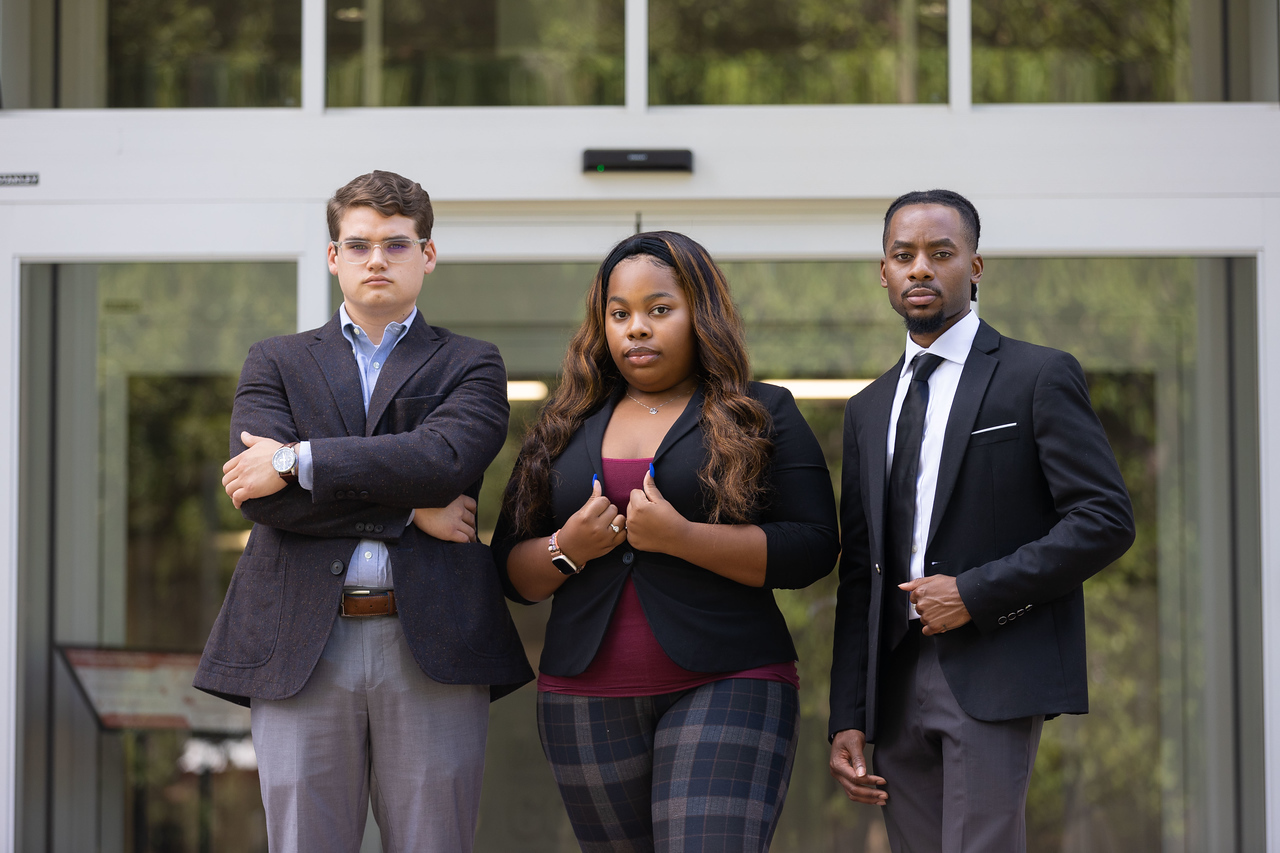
(653, 524)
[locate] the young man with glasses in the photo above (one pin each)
(366, 629)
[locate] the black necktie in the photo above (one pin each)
(902, 496)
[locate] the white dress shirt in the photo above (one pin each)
(953, 346)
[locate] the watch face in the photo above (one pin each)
(284, 460)
(564, 564)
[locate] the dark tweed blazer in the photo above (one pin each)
(437, 418)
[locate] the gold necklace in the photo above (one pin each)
(653, 410)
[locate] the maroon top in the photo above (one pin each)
(630, 661)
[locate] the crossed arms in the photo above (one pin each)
(364, 486)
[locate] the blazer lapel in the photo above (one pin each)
(332, 352)
(594, 428)
(684, 424)
(419, 343)
(880, 406)
(978, 369)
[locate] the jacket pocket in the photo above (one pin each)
(405, 414)
(247, 628)
(993, 434)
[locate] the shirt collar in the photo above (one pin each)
(953, 344)
(394, 330)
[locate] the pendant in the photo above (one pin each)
(653, 411)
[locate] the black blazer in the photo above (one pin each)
(437, 417)
(704, 622)
(1029, 504)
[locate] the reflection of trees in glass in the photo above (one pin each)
(166, 809)
(171, 339)
(806, 52)
(204, 53)
(183, 544)
(492, 53)
(1097, 781)
(1101, 50)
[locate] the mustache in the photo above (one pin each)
(932, 288)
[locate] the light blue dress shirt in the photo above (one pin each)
(370, 565)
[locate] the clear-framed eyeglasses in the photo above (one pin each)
(396, 251)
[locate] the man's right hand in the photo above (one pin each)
(849, 767)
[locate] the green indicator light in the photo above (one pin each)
(600, 168)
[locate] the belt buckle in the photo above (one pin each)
(359, 593)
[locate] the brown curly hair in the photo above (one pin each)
(737, 427)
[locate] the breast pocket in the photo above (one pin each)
(993, 434)
(405, 414)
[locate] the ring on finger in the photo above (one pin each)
(615, 528)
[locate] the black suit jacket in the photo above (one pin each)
(437, 417)
(703, 621)
(1029, 504)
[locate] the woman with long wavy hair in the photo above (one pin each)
(660, 497)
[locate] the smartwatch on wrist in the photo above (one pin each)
(559, 559)
(285, 462)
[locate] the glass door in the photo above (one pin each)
(129, 542)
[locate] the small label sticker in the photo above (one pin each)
(19, 179)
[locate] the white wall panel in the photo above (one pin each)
(534, 154)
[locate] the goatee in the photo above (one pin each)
(924, 325)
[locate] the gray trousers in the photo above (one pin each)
(955, 784)
(370, 724)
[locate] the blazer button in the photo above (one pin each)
(364, 494)
(351, 494)
(335, 568)
(359, 527)
(628, 558)
(339, 494)
(1028, 607)
(877, 568)
(377, 528)
(1002, 620)
(1021, 610)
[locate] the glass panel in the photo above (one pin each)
(144, 360)
(489, 53)
(809, 52)
(1153, 50)
(1154, 765)
(157, 53)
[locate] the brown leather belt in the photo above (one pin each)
(368, 602)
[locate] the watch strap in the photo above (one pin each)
(560, 559)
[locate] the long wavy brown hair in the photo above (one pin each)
(737, 428)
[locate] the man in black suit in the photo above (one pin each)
(979, 493)
(367, 633)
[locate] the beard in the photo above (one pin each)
(924, 325)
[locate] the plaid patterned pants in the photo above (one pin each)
(700, 770)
